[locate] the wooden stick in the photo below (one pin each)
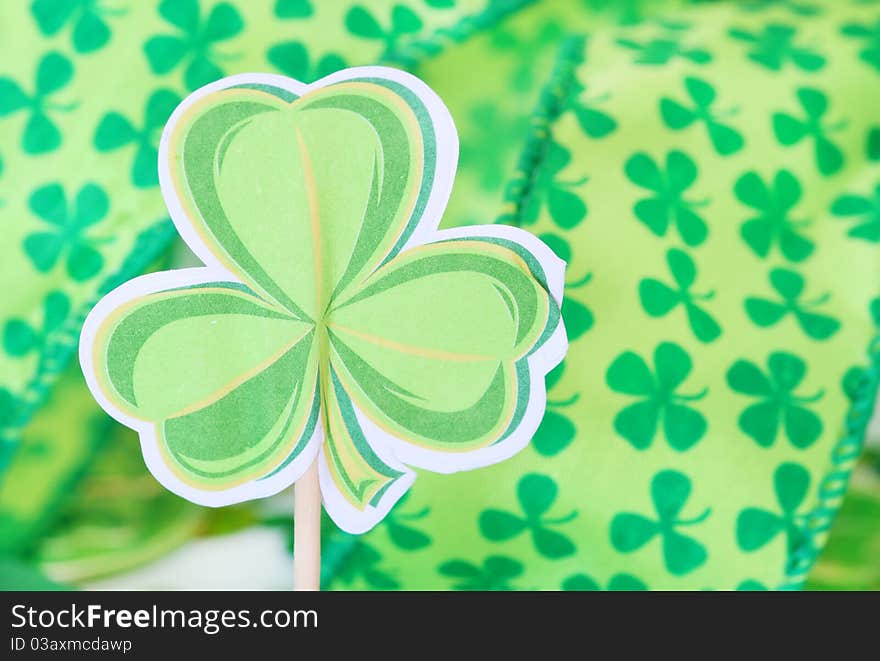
(307, 531)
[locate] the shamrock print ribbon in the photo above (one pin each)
(332, 320)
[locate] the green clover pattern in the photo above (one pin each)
(779, 405)
(790, 286)
(659, 298)
(535, 494)
(670, 492)
(757, 527)
(41, 133)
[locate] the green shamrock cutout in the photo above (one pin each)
(870, 34)
(666, 47)
(774, 48)
(874, 144)
(865, 210)
(779, 404)
(536, 495)
(292, 59)
(90, 30)
(757, 527)
(593, 121)
(115, 131)
(41, 134)
(629, 374)
(20, 338)
(659, 299)
(332, 321)
(69, 234)
(724, 138)
(682, 554)
(618, 583)
(566, 208)
(791, 130)
(790, 286)
(293, 9)
(772, 226)
(668, 204)
(495, 573)
(197, 41)
(360, 22)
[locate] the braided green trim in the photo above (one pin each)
(417, 50)
(833, 486)
(554, 98)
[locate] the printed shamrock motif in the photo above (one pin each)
(401, 531)
(666, 47)
(440, 4)
(790, 286)
(874, 144)
(670, 491)
(90, 30)
(622, 12)
(495, 573)
(577, 317)
(565, 207)
(293, 9)
(795, 7)
(870, 34)
(364, 562)
(772, 226)
(20, 338)
(197, 41)
(556, 431)
(68, 236)
(524, 51)
(757, 527)
(791, 130)
(775, 47)
(659, 299)
(864, 210)
(668, 204)
(779, 403)
(724, 138)
(536, 495)
(629, 374)
(593, 121)
(360, 22)
(292, 59)
(332, 321)
(10, 407)
(618, 583)
(40, 135)
(116, 131)
(750, 585)
(481, 151)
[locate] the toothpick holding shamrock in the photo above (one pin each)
(335, 337)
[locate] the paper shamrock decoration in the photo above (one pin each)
(332, 320)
